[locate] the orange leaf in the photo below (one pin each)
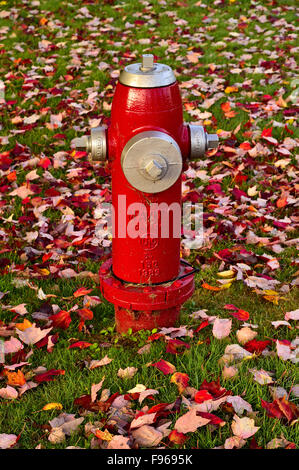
(23, 326)
(15, 378)
(225, 107)
(245, 146)
(207, 286)
(282, 202)
(82, 291)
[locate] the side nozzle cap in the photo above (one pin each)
(212, 141)
(94, 144)
(200, 141)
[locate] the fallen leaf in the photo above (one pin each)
(190, 422)
(127, 373)
(222, 327)
(243, 427)
(52, 406)
(164, 366)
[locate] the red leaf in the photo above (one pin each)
(164, 366)
(281, 408)
(267, 132)
(215, 389)
(61, 319)
(213, 418)
(48, 376)
(203, 324)
(80, 344)
(154, 337)
(245, 146)
(255, 346)
(202, 395)
(44, 163)
(81, 291)
(85, 314)
(177, 438)
(241, 315)
(176, 346)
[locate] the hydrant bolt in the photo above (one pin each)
(147, 62)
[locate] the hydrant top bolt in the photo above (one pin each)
(147, 62)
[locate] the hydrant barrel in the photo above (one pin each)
(145, 259)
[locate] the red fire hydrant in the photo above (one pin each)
(147, 143)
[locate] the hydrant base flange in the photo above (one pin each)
(146, 319)
(145, 306)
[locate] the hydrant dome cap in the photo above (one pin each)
(137, 76)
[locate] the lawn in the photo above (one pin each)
(235, 62)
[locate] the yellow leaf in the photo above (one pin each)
(226, 274)
(231, 89)
(45, 272)
(52, 406)
(226, 286)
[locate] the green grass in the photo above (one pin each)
(70, 34)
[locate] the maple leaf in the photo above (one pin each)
(8, 440)
(255, 346)
(222, 327)
(147, 436)
(52, 406)
(202, 395)
(8, 393)
(99, 363)
(243, 427)
(176, 346)
(33, 334)
(95, 388)
(61, 319)
(164, 366)
(81, 291)
(281, 408)
(177, 438)
(127, 373)
(202, 325)
(48, 376)
(142, 420)
(190, 422)
(15, 378)
(13, 345)
(214, 388)
(80, 345)
(245, 335)
(119, 442)
(181, 380)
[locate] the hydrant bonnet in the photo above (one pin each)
(147, 74)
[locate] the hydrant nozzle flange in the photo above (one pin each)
(94, 144)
